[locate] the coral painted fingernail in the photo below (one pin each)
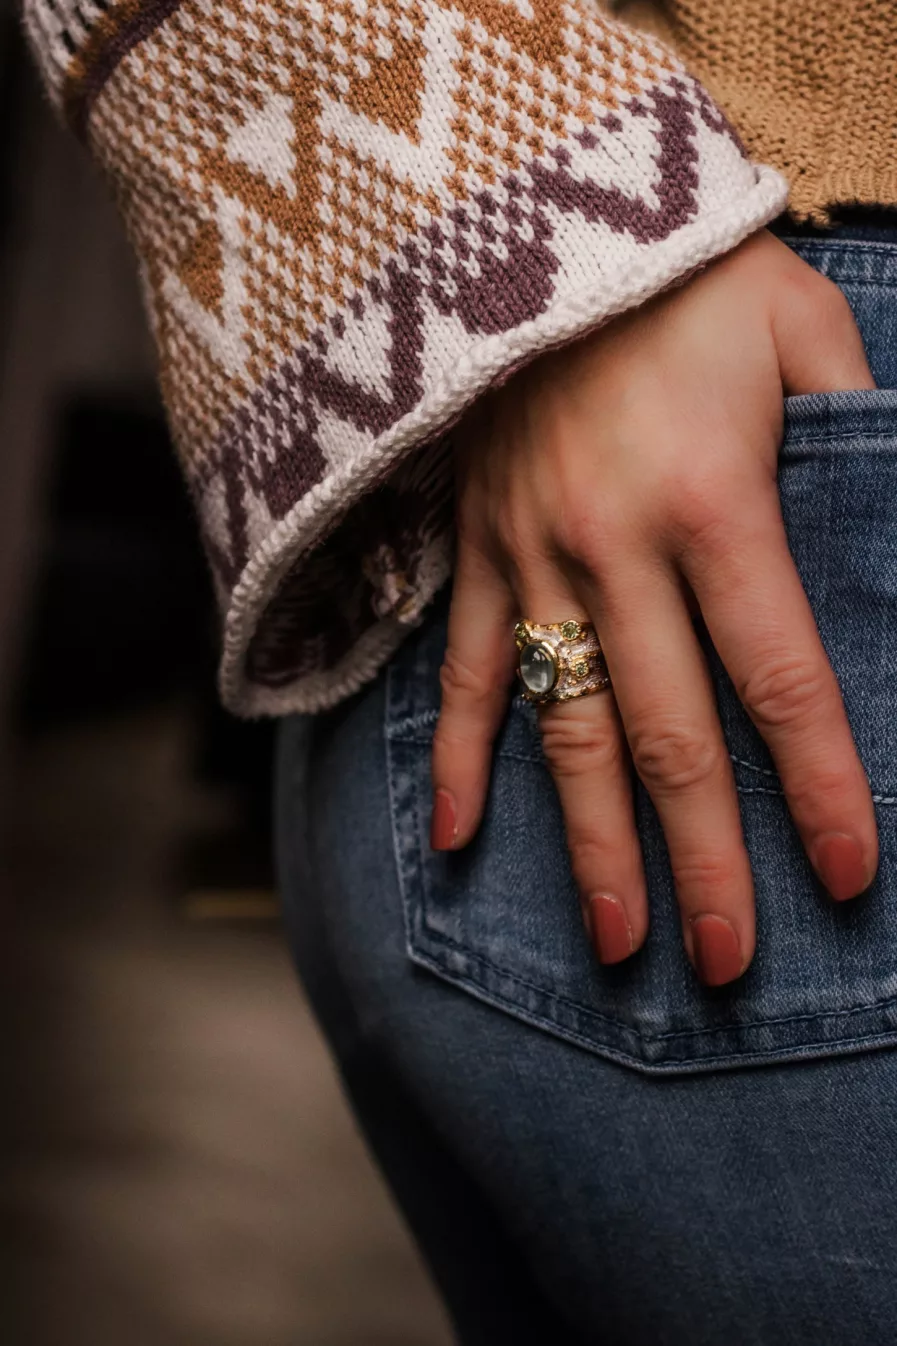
(609, 928)
(838, 860)
(717, 953)
(444, 823)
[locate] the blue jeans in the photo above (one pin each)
(618, 1155)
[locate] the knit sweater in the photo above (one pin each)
(352, 217)
(810, 84)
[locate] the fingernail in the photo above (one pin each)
(609, 928)
(717, 953)
(838, 860)
(444, 823)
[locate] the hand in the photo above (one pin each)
(626, 479)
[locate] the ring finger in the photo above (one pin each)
(586, 752)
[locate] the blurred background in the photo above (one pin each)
(180, 1167)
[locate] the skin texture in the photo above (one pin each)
(630, 479)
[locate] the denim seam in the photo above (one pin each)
(506, 754)
(837, 243)
(420, 720)
(393, 813)
(751, 766)
(883, 801)
(860, 282)
(840, 438)
(534, 759)
(678, 1033)
(847, 245)
(800, 1051)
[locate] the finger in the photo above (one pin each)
(586, 754)
(668, 710)
(762, 626)
(477, 670)
(819, 345)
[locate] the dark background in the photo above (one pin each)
(180, 1169)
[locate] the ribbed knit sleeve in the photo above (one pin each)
(352, 217)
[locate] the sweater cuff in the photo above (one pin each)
(352, 219)
(331, 591)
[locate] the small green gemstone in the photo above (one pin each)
(581, 669)
(521, 633)
(571, 630)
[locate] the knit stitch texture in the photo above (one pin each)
(352, 217)
(810, 84)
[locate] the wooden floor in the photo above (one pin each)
(183, 1170)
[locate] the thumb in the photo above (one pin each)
(818, 342)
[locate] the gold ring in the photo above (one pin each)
(559, 660)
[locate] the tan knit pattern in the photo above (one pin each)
(312, 228)
(810, 84)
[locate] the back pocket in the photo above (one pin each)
(501, 919)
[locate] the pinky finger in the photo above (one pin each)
(478, 667)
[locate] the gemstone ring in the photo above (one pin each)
(559, 660)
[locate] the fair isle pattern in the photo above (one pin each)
(58, 30)
(353, 216)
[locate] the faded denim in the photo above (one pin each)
(590, 1154)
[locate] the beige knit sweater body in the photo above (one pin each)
(810, 84)
(354, 216)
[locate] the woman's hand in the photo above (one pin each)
(625, 479)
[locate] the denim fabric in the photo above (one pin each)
(581, 1150)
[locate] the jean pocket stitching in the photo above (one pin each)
(752, 766)
(677, 1034)
(673, 1067)
(409, 727)
(841, 436)
(536, 1000)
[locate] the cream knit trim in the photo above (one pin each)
(662, 265)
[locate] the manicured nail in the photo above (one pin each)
(838, 860)
(444, 823)
(609, 928)
(717, 953)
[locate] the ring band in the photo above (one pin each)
(559, 660)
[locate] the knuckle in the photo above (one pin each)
(514, 530)
(464, 684)
(579, 532)
(786, 691)
(819, 298)
(711, 879)
(831, 300)
(589, 537)
(823, 791)
(575, 744)
(705, 516)
(588, 857)
(673, 756)
(801, 284)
